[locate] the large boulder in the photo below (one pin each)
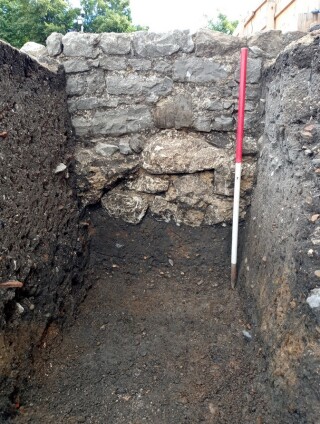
(81, 45)
(127, 205)
(99, 169)
(54, 44)
(212, 43)
(174, 152)
(151, 44)
(35, 50)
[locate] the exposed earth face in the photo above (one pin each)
(160, 338)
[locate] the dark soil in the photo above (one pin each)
(157, 340)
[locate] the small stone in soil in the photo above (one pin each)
(246, 335)
(20, 308)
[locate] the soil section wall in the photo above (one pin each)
(40, 241)
(280, 263)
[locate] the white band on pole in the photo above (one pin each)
(235, 219)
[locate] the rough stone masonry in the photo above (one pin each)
(154, 116)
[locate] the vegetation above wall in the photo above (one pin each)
(222, 24)
(35, 20)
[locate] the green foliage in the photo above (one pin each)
(34, 20)
(108, 16)
(222, 24)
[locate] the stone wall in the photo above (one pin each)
(280, 265)
(41, 244)
(154, 116)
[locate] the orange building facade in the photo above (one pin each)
(284, 15)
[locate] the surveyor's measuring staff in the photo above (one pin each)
(237, 177)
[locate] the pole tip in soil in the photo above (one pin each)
(233, 275)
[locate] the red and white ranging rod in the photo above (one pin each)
(237, 177)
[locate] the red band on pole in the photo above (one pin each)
(242, 99)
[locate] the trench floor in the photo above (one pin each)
(158, 344)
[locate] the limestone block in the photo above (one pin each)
(202, 123)
(164, 210)
(76, 85)
(224, 179)
(223, 140)
(100, 168)
(168, 211)
(176, 112)
(140, 64)
(253, 70)
(253, 92)
(105, 149)
(210, 43)
(137, 85)
(127, 205)
(124, 147)
(175, 152)
(215, 105)
(148, 184)
(35, 50)
(194, 190)
(76, 44)
(89, 103)
(48, 62)
(137, 143)
(96, 82)
(150, 44)
(115, 63)
(223, 123)
(90, 186)
(118, 44)
(194, 69)
(54, 44)
(163, 67)
(75, 65)
(220, 210)
(114, 122)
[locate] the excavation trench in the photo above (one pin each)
(160, 337)
(116, 197)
